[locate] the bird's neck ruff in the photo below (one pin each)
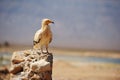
(45, 27)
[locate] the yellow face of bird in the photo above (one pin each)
(47, 21)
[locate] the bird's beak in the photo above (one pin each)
(52, 22)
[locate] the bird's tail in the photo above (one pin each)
(34, 43)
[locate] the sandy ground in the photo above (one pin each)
(108, 54)
(63, 70)
(68, 70)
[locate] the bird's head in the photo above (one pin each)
(47, 21)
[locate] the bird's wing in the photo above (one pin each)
(50, 40)
(37, 37)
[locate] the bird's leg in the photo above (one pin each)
(41, 50)
(47, 48)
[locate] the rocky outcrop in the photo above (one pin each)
(31, 65)
(4, 73)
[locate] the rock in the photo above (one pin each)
(16, 69)
(16, 61)
(40, 66)
(31, 65)
(4, 73)
(17, 58)
(4, 70)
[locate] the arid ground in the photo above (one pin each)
(65, 69)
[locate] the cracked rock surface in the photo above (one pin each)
(31, 65)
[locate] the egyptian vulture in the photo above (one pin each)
(43, 36)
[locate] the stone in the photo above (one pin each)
(31, 65)
(16, 69)
(16, 61)
(4, 73)
(4, 70)
(40, 66)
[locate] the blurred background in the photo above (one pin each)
(85, 31)
(86, 24)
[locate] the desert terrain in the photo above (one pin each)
(67, 64)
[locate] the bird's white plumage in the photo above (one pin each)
(43, 36)
(38, 35)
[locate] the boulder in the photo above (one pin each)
(4, 73)
(31, 65)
